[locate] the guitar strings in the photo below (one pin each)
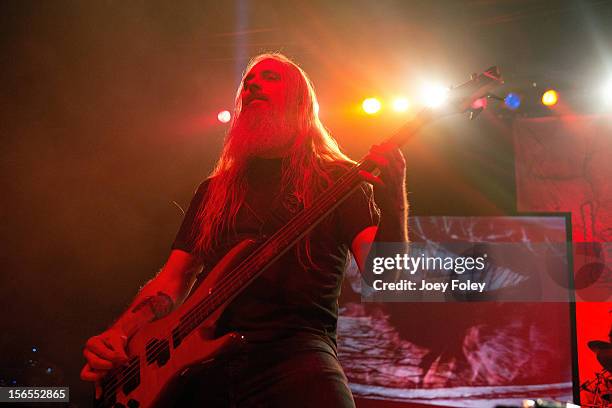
(201, 309)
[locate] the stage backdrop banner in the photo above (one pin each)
(564, 164)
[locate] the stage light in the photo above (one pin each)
(434, 95)
(400, 104)
(370, 105)
(512, 101)
(224, 116)
(480, 103)
(550, 97)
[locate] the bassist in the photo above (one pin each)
(276, 159)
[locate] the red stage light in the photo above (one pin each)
(480, 103)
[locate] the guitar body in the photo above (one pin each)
(157, 364)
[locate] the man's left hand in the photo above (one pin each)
(390, 184)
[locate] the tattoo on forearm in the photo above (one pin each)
(160, 305)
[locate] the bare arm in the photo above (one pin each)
(162, 294)
(157, 298)
(390, 229)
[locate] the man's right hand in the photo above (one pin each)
(104, 352)
(158, 297)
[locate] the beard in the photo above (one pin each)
(260, 130)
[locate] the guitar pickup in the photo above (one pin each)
(158, 351)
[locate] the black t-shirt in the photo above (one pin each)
(289, 297)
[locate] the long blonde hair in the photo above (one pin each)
(306, 168)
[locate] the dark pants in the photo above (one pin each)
(301, 372)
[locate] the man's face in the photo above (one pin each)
(263, 127)
(264, 87)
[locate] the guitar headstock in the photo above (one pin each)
(462, 97)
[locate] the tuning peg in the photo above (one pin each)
(492, 96)
(475, 112)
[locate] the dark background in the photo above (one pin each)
(108, 115)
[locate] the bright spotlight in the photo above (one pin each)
(371, 105)
(434, 95)
(224, 116)
(550, 98)
(400, 104)
(512, 101)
